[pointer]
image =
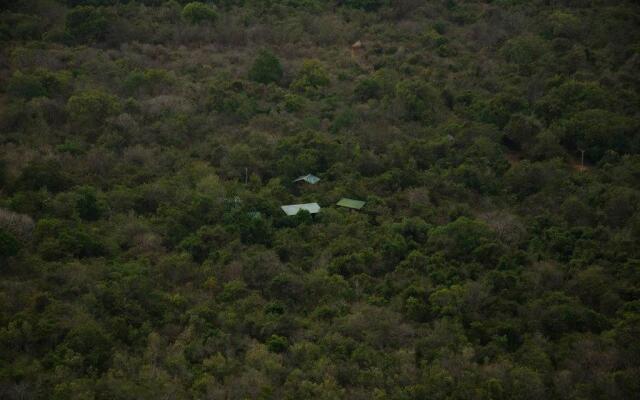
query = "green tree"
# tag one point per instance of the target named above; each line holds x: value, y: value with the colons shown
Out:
x: 277, y: 344
x: 524, y: 50
x: 563, y: 24
x: 521, y: 130
x: 367, y: 5
x: 266, y: 68
x: 9, y: 245
x: 312, y: 76
x: 199, y: 13
x: 460, y: 238
x: 89, y: 110
x: 418, y: 100
x: 26, y: 85
x: 43, y: 174
x: 597, y: 131
x: 87, y: 204
x: 87, y: 24
x: 367, y: 88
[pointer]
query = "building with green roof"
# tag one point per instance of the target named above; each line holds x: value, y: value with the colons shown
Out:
x: 351, y: 203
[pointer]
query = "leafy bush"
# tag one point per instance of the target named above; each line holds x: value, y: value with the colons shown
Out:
x: 43, y: 174
x: 199, y: 13
x: 293, y: 102
x: 367, y: 5
x: 277, y: 344
x: 266, y: 68
x: 26, y: 85
x: 87, y: 24
x: 59, y: 240
x: 524, y: 50
x: 500, y: 108
x: 38, y: 83
x: 87, y: 204
x: 20, y: 26
x: 9, y: 245
x: 90, y: 109
x: 418, y: 100
x: 148, y: 81
x: 598, y: 131
x: 367, y: 88
x: 563, y: 24
x: 312, y: 77
x: 459, y: 239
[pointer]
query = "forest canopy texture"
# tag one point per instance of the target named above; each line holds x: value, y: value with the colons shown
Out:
x: 146, y: 147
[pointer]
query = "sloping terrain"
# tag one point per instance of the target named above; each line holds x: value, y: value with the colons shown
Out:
x: 147, y: 146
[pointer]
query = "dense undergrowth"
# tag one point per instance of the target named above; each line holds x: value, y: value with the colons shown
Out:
x: 138, y: 139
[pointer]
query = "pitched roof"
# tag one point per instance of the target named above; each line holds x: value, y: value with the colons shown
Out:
x: 309, y: 178
x: 293, y: 209
x: 351, y: 203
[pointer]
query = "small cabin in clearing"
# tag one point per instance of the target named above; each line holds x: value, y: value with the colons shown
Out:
x: 293, y: 209
x: 351, y: 203
x: 309, y: 178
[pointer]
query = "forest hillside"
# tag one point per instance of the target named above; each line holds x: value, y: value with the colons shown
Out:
x: 147, y: 148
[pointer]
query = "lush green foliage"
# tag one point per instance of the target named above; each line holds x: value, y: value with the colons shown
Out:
x: 198, y: 13
x: 266, y: 68
x: 87, y: 24
x: 146, y: 147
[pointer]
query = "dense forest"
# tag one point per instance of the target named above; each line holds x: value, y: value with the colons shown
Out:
x: 147, y: 146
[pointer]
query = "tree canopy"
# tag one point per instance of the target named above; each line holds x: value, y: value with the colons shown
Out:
x: 147, y: 146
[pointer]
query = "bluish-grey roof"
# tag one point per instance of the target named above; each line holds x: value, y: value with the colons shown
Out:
x: 309, y: 178
x: 293, y: 209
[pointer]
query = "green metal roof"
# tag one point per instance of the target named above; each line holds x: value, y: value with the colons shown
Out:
x: 351, y: 203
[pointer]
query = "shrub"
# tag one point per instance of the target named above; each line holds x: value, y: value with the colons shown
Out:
x: 58, y: 239
x: 312, y: 76
x: 87, y: 204
x: 460, y: 238
x: 293, y: 102
x: 367, y: 88
x: 149, y: 81
x: 199, y: 13
x: 277, y: 344
x: 367, y: 5
x: 9, y: 245
x: 563, y: 24
x: 87, y: 24
x: 417, y: 99
x: 500, y: 108
x: 90, y: 109
x: 20, y: 26
x: 25, y: 85
x: 521, y: 130
x: 523, y: 50
x: 75, y: 3
x: 266, y: 68
x: 43, y: 174
x: 39, y: 83
x: 597, y: 131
